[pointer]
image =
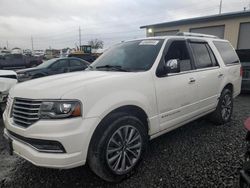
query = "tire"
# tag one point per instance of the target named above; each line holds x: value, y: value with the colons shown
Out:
x: 109, y: 157
x: 224, y: 109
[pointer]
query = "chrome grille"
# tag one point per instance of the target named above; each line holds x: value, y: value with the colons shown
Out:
x: 25, y: 112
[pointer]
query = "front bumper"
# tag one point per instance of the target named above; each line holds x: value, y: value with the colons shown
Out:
x: 74, y: 135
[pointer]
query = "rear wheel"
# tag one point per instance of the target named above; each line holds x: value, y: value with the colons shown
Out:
x: 117, y: 147
x: 224, y: 110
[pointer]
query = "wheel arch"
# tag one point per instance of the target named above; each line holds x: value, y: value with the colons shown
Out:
x: 93, y: 152
x: 130, y: 109
x: 229, y: 86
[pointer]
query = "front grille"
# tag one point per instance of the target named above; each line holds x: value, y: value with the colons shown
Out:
x: 25, y: 112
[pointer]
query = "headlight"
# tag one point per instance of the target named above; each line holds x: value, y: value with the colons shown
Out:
x: 60, y: 109
x: 22, y: 75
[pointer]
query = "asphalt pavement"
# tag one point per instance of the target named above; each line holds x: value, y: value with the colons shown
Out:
x: 198, y: 154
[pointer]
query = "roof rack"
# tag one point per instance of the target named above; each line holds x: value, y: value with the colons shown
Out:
x: 195, y: 35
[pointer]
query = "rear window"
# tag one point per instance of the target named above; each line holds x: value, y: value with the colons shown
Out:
x: 227, y: 52
x: 201, y: 54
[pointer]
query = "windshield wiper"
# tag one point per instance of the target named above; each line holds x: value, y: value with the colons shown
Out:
x: 115, y: 67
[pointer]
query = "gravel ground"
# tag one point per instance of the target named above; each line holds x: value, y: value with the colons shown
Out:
x: 198, y: 154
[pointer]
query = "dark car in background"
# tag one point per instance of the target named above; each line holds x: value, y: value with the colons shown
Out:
x: 51, y: 67
x: 13, y: 61
x: 244, y: 56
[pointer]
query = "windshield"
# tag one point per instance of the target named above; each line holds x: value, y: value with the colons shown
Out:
x: 136, y: 55
x: 46, y: 64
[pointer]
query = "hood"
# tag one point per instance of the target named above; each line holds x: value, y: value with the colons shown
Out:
x: 28, y: 70
x: 54, y: 87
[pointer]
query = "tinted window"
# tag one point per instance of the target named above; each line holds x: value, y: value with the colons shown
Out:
x: 201, y: 55
x: 226, y: 51
x: 178, y: 50
x: 136, y: 55
x: 60, y: 64
x: 76, y: 63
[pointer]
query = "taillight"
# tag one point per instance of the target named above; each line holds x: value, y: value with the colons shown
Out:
x: 241, y: 71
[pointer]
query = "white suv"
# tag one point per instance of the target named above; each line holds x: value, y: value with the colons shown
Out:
x: 136, y: 91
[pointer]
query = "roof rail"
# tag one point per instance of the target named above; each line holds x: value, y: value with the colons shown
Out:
x: 195, y: 35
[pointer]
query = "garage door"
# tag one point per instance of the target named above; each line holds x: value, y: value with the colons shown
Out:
x: 244, y: 36
x: 166, y: 33
x: 213, y: 30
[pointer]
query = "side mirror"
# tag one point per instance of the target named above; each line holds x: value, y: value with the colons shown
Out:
x: 172, y: 66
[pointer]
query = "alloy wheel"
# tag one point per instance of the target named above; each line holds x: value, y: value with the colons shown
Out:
x: 226, y: 107
x: 124, y: 149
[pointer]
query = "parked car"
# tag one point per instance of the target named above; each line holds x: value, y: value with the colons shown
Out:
x: 244, y: 56
x: 4, y: 52
x: 246, y: 76
x: 38, y: 53
x: 51, y: 67
x: 7, y: 80
x: 245, y: 172
x: 134, y: 92
x: 16, y: 60
x: 27, y: 52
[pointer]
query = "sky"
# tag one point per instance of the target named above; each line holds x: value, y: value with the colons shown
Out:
x: 56, y: 23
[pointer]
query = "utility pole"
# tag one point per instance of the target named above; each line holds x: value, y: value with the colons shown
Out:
x: 220, y: 6
x: 7, y: 44
x: 32, y: 45
x: 80, y: 37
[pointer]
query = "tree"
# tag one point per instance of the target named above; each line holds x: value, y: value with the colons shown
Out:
x: 96, y: 43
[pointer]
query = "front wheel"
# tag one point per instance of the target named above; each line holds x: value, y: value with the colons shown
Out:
x: 224, y: 110
x: 118, y: 147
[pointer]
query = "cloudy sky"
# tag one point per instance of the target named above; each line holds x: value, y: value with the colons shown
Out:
x: 56, y: 23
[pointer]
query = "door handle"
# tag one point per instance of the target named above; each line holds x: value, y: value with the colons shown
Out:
x: 191, y: 80
x: 220, y: 75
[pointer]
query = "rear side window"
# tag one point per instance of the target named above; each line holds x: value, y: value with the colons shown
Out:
x: 60, y: 64
x: 227, y: 52
x: 75, y: 63
x: 201, y: 55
